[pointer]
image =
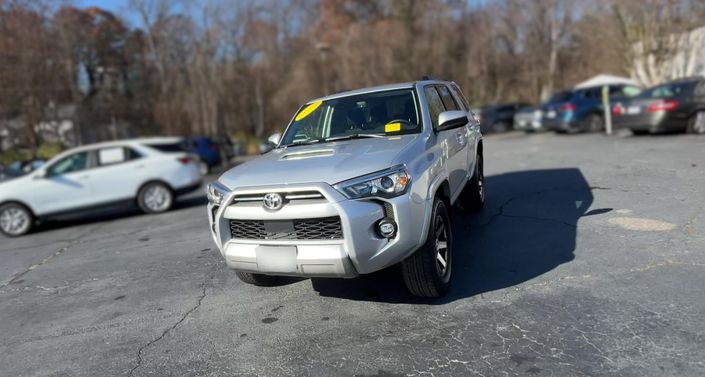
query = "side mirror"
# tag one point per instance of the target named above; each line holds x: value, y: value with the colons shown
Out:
x: 448, y: 120
x: 274, y: 139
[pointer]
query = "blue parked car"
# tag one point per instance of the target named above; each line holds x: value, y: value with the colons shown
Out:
x: 580, y: 110
x: 208, y: 151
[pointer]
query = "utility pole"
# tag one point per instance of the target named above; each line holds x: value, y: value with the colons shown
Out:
x: 323, y: 49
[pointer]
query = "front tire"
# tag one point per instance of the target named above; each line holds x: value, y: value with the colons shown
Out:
x: 696, y: 123
x: 155, y: 197
x: 256, y: 279
x: 427, y: 272
x: 15, y: 220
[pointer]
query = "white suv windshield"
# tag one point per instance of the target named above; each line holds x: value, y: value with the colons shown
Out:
x: 381, y: 113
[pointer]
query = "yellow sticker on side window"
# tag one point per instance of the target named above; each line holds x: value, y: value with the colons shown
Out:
x: 392, y: 127
x: 306, y: 111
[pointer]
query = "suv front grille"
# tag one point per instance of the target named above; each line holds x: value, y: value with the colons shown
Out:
x: 325, y: 228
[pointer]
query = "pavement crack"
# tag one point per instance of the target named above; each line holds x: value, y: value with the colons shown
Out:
x: 48, y: 259
x: 186, y: 314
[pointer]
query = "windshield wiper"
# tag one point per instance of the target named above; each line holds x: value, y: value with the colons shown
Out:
x: 307, y: 142
x: 334, y: 138
x: 353, y: 136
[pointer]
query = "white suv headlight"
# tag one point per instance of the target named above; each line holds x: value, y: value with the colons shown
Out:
x: 382, y: 184
x: 216, y: 193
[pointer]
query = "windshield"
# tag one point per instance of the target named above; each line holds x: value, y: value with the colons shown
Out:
x: 381, y: 113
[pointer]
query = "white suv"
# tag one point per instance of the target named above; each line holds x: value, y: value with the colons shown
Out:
x: 149, y: 172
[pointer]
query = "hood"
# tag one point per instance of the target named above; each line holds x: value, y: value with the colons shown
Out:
x: 9, y: 187
x: 326, y: 162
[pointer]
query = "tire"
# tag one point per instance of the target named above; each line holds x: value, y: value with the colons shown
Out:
x: 155, y: 197
x: 696, y: 123
x: 640, y: 132
x: 593, y: 123
x: 425, y: 275
x: 472, y: 198
x: 256, y: 279
x: 15, y: 220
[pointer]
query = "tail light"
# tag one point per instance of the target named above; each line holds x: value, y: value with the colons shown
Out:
x: 567, y: 107
x: 184, y: 160
x: 662, y: 105
x: 617, y: 110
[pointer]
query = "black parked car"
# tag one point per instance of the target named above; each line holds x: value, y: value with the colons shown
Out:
x: 498, y: 118
x: 676, y: 106
x: 581, y: 110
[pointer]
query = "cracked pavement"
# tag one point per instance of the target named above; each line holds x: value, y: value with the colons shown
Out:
x: 545, y: 284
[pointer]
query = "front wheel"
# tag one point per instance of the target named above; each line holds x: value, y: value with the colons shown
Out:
x: 15, y: 220
x: 427, y: 272
x: 256, y: 279
x: 155, y: 197
x: 696, y: 123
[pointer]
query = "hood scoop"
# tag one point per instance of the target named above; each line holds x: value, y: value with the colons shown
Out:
x: 308, y: 154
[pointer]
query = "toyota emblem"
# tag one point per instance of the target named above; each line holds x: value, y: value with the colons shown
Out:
x: 273, y: 201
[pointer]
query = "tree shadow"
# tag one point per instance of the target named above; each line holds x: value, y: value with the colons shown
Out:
x: 527, y: 228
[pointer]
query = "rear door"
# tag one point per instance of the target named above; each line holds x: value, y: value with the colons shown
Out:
x: 66, y: 185
x: 118, y: 173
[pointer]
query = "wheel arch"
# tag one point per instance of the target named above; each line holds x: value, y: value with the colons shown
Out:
x: 21, y: 203
x: 156, y: 180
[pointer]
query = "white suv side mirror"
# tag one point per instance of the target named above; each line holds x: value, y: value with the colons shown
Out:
x: 274, y: 139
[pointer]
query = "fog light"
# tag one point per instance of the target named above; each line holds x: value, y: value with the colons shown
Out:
x: 387, y: 228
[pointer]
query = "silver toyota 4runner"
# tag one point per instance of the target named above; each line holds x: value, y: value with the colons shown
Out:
x: 358, y: 182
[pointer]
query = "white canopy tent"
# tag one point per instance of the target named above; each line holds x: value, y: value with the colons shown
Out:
x: 602, y: 80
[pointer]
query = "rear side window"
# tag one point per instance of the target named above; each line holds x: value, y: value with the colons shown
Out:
x: 116, y: 155
x: 170, y: 147
x: 447, y: 99
x: 111, y: 156
x: 435, y: 104
x: 456, y: 89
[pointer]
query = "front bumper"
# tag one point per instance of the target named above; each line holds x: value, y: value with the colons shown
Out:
x: 360, y: 251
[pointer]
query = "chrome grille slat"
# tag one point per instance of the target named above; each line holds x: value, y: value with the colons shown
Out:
x: 289, y: 196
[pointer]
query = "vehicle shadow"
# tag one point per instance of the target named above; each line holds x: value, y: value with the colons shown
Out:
x: 527, y: 228
x: 113, y: 213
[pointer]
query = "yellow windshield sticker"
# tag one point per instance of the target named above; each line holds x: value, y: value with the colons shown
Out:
x: 308, y: 110
x: 392, y: 127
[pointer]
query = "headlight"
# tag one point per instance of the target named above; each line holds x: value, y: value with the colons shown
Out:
x: 383, y: 184
x: 216, y: 192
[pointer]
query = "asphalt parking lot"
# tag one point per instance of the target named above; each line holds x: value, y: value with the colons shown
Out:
x: 588, y: 260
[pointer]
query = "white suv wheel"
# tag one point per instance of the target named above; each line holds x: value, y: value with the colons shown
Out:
x: 155, y: 198
x: 15, y: 220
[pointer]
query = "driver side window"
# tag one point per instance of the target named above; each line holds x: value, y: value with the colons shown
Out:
x: 69, y: 164
x: 435, y: 105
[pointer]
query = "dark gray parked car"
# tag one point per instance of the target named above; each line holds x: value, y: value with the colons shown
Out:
x: 580, y: 110
x: 672, y: 107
